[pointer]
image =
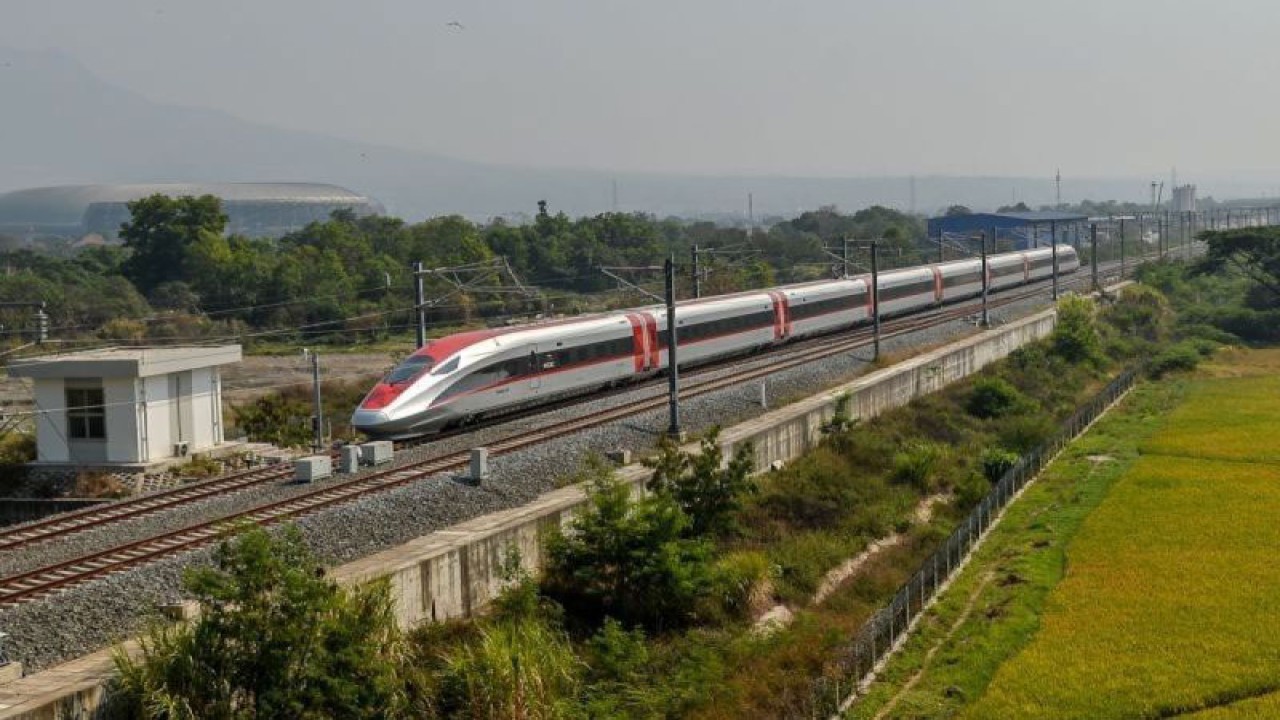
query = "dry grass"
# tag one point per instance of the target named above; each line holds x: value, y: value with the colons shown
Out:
x: 1170, y: 598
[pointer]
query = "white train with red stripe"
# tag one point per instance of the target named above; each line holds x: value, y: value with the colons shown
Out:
x: 481, y: 373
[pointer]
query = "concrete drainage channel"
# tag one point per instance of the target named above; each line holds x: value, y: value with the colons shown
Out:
x: 454, y: 572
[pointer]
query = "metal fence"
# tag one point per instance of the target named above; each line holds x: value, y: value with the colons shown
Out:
x: 882, y: 631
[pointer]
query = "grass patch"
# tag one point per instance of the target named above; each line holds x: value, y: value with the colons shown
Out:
x: 1123, y: 584
x: 1170, y: 602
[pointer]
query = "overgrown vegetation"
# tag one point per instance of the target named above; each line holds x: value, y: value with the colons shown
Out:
x: 275, y: 638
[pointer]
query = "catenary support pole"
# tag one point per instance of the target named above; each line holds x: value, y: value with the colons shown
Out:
x: 317, y: 421
x: 1121, y: 248
x: 419, y: 303
x: 1093, y: 252
x: 986, y: 279
x: 1054, y: 245
x: 673, y: 366
x: 875, y: 292
x: 697, y: 280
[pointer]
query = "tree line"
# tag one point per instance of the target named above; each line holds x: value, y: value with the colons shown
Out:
x: 180, y: 274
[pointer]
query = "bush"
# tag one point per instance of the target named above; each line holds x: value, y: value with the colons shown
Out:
x: 275, y: 638
x: 996, y: 462
x: 917, y: 465
x: 98, y: 485
x: 17, y: 448
x: 1181, y: 357
x: 970, y: 490
x: 993, y: 397
x: 628, y: 559
x: 1075, y: 337
x: 524, y: 670
x: 737, y: 580
x: 1023, y: 433
x: 708, y: 490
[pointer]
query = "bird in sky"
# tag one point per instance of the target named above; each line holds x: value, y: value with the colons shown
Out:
x: 455, y: 25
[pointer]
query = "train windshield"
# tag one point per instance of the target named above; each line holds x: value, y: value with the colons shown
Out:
x: 412, y: 366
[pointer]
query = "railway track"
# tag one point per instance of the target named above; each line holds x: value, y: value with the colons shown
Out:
x: 46, y: 580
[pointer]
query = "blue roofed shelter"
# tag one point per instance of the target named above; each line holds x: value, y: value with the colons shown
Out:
x: 1023, y: 229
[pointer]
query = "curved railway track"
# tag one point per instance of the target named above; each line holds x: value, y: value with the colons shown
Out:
x: 46, y: 580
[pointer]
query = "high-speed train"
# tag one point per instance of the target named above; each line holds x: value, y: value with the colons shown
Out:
x: 472, y: 375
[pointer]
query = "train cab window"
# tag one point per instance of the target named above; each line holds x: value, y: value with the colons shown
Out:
x: 410, y: 368
x: 447, y: 368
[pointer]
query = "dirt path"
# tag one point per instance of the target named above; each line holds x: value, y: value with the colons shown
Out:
x: 928, y: 656
x: 780, y: 616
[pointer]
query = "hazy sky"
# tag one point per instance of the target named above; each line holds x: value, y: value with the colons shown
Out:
x: 810, y: 87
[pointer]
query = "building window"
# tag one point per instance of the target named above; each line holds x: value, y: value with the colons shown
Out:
x: 86, y: 414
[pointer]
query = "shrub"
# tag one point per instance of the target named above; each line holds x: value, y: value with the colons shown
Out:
x: 996, y: 462
x: 515, y: 669
x: 1023, y: 433
x: 1075, y: 336
x: 1180, y: 357
x: 917, y: 465
x: 992, y: 397
x: 737, y: 579
x: 98, y: 485
x: 804, y: 559
x: 629, y: 559
x: 970, y: 490
x: 275, y: 638
x: 709, y: 491
x: 17, y: 448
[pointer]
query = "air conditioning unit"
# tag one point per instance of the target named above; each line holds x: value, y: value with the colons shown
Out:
x: 180, y: 449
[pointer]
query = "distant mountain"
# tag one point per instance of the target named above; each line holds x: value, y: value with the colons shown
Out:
x: 61, y: 124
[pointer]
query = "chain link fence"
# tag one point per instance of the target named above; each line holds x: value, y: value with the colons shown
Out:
x: 888, y: 626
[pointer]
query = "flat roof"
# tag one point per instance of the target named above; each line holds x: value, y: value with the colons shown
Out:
x: 125, y: 362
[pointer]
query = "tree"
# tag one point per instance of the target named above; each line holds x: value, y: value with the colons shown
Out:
x: 159, y: 231
x: 274, y: 639
x: 707, y: 489
x: 1253, y: 252
x: 627, y: 559
x: 1020, y: 207
x: 1075, y: 336
x: 955, y: 210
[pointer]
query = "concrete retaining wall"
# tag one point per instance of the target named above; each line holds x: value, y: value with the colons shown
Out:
x: 456, y: 572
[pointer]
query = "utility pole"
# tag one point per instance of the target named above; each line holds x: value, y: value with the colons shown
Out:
x: 673, y: 367
x: 844, y: 255
x: 986, y: 279
x: 697, y: 278
x: 317, y: 420
x: 420, y: 303
x: 1093, y: 252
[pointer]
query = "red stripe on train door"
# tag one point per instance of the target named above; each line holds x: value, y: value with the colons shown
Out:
x: 937, y: 284
x: 637, y: 341
x: 779, y: 315
x: 651, y: 328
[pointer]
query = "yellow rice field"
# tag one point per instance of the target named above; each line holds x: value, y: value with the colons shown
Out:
x: 1171, y: 600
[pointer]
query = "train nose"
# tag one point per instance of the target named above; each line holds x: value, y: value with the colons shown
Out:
x: 369, y: 419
